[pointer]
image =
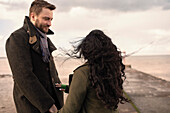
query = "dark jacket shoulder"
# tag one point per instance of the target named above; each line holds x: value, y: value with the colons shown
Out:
x: 19, y: 33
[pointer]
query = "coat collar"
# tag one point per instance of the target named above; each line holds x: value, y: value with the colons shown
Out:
x: 31, y: 28
x: 85, y: 64
x: 34, y: 39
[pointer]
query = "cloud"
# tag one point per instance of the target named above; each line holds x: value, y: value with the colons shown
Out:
x: 10, y: 6
x: 130, y: 24
x: 5, y: 25
x: 120, y: 5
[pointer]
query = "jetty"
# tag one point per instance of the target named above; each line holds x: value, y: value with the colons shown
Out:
x: 147, y: 93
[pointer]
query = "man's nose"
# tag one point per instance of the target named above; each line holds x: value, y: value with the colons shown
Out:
x: 49, y: 23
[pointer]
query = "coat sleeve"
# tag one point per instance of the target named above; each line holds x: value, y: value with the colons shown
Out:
x: 18, y: 53
x: 77, y: 93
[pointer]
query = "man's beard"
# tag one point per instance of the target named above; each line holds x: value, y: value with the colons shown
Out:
x: 40, y: 26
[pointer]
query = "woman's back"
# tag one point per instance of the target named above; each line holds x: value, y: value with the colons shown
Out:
x: 82, y: 97
x: 97, y: 86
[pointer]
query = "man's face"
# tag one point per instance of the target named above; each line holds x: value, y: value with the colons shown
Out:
x: 43, y: 20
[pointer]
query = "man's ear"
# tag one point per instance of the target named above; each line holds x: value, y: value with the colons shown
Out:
x: 32, y: 16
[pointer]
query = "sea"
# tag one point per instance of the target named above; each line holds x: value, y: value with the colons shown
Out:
x: 155, y: 65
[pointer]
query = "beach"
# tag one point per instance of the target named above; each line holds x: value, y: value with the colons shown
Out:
x: 6, y: 98
x: 149, y: 94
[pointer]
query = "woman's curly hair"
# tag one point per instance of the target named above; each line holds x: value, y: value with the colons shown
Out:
x: 106, y: 67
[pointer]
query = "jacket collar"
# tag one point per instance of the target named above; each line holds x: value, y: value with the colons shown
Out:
x: 85, y: 64
x: 31, y: 28
x: 34, y: 39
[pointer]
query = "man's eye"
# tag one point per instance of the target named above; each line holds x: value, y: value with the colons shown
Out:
x: 46, y: 18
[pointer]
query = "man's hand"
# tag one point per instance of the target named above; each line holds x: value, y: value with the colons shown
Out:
x: 53, y: 109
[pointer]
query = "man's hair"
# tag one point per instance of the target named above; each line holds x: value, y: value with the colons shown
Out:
x: 37, y: 6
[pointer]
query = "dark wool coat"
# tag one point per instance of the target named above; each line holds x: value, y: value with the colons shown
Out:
x: 34, y: 80
x: 82, y: 97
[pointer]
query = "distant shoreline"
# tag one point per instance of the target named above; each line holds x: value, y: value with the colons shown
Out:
x: 3, y: 57
x: 147, y: 74
x: 55, y: 56
x: 9, y: 75
x: 4, y: 75
x: 155, y: 65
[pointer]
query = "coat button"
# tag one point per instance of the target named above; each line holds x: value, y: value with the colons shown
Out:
x: 52, y: 79
x: 47, y: 69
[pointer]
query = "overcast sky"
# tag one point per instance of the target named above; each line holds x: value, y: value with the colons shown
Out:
x: 132, y: 24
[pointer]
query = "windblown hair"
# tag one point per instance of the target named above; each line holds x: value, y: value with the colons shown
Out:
x: 106, y: 67
x: 37, y: 6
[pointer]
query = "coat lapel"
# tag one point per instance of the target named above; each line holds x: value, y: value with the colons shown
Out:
x: 51, y: 45
x: 36, y: 46
x: 34, y: 39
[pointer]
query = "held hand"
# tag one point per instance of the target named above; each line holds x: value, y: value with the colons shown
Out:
x: 59, y: 86
x: 53, y: 109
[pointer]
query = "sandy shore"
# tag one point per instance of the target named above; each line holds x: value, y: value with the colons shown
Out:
x: 6, y: 82
x: 137, y: 85
x: 6, y: 99
x: 7, y: 103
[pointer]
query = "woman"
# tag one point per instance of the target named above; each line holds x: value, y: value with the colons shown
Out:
x: 96, y: 86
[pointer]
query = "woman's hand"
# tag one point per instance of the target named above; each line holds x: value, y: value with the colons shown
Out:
x: 60, y: 86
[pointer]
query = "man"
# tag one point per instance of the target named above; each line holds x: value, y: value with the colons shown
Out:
x: 29, y: 53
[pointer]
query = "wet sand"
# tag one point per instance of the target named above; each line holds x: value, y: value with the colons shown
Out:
x: 6, y: 99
